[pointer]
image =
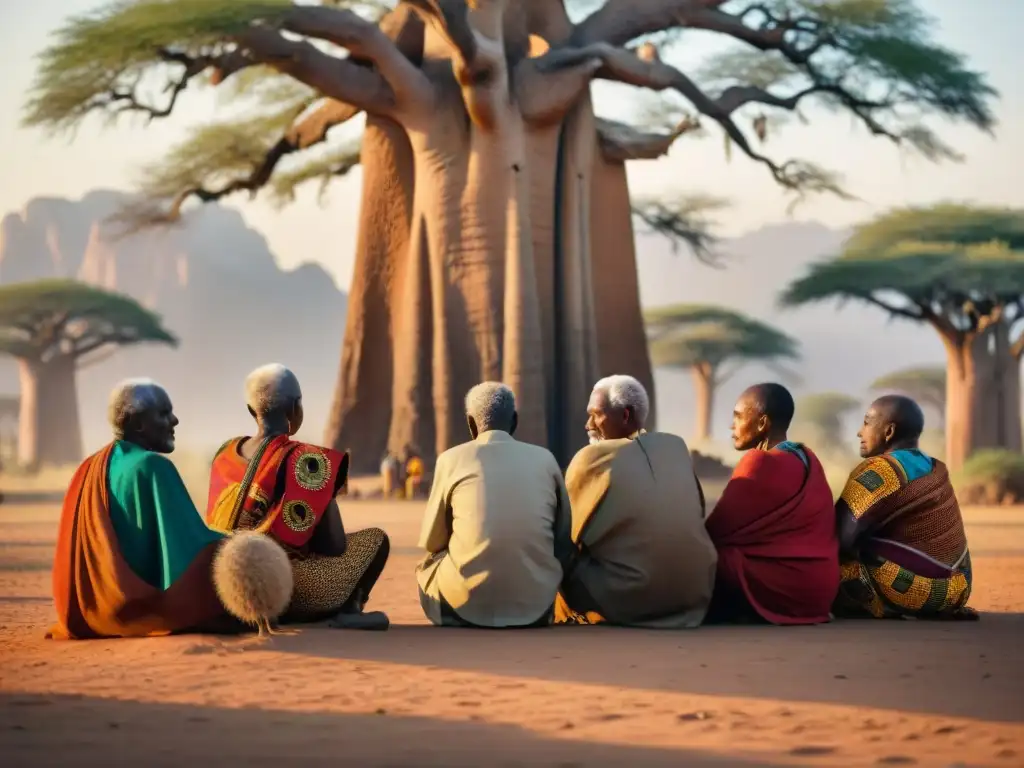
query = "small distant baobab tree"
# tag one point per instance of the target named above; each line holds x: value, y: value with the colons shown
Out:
x: 712, y: 343
x: 52, y: 328
x: 822, y: 414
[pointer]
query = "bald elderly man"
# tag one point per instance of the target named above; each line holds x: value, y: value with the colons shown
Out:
x: 643, y: 557
x: 133, y: 555
x: 902, y: 542
x: 285, y: 488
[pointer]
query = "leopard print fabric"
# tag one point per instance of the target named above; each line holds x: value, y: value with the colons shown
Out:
x: 323, y: 584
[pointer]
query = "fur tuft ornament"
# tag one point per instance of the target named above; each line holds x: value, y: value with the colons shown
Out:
x: 253, y: 578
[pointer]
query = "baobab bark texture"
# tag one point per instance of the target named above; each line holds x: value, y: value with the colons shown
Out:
x: 983, y: 393
x: 50, y: 432
x: 704, y: 400
x: 499, y: 183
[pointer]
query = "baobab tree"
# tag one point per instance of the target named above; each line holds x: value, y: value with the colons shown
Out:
x: 52, y: 328
x: 926, y: 384
x: 960, y: 269
x: 496, y: 236
x: 712, y: 343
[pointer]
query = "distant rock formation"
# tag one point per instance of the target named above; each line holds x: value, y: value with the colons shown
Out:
x: 218, y: 287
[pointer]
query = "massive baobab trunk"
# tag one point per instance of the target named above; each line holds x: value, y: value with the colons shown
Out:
x: 477, y: 256
x: 983, y: 393
x: 50, y: 433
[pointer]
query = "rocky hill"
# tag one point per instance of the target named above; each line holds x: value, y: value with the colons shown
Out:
x: 219, y: 289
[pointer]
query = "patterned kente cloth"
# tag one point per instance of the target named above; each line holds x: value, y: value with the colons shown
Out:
x: 904, y: 524
x: 283, y: 491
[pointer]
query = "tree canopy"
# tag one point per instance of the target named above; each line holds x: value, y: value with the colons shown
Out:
x: 957, y: 267
x: 926, y: 384
x: 290, y: 86
x: 690, y: 335
x: 48, y: 318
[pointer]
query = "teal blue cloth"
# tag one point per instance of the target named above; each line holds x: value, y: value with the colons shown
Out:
x: 158, y: 528
x: 795, y: 448
x: 915, y: 463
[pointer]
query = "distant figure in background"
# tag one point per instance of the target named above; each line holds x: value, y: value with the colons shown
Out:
x: 496, y: 527
x: 286, y: 489
x: 901, y: 536
x: 414, y: 471
x: 774, y: 525
x: 643, y: 557
x: 133, y: 555
x: 389, y: 474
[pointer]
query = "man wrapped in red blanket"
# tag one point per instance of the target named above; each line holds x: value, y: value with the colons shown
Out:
x: 774, y: 526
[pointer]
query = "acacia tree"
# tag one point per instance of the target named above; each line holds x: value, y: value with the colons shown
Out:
x: 926, y: 384
x: 713, y: 343
x: 495, y: 211
x: 823, y: 413
x: 52, y: 328
x: 959, y: 269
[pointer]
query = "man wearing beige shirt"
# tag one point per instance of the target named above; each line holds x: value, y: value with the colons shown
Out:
x: 645, y: 558
x: 496, y: 529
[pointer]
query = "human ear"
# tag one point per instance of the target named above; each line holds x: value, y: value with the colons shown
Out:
x: 515, y: 423
x: 473, y: 431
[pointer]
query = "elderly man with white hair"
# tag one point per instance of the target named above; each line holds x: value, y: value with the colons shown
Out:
x: 285, y: 488
x: 496, y: 529
x: 133, y: 556
x: 643, y: 555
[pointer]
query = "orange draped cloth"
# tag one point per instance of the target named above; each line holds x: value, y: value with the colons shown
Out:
x: 774, y: 528
x: 97, y: 594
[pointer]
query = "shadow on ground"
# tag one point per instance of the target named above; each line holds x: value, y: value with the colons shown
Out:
x: 872, y: 664
x: 88, y: 731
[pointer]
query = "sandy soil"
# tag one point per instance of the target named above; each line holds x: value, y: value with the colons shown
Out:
x: 893, y: 693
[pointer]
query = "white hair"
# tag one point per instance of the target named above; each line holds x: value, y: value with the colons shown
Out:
x: 271, y: 388
x: 130, y: 398
x: 623, y: 391
x: 491, y: 405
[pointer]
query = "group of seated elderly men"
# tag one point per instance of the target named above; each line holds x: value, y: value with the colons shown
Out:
x: 624, y: 538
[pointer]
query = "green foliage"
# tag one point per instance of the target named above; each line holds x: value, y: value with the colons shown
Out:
x: 992, y: 476
x: 954, y: 262
x: 51, y: 317
x: 685, y: 336
x: 926, y: 384
x: 322, y: 168
x: 110, y: 50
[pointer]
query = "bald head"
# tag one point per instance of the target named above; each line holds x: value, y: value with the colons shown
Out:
x: 274, y: 398
x: 893, y: 422
x: 763, y: 412
x: 140, y: 412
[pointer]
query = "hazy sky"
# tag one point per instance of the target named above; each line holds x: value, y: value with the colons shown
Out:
x: 987, y: 30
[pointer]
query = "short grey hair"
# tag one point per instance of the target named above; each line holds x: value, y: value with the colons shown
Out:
x: 491, y: 405
x: 271, y: 388
x: 623, y: 391
x: 130, y: 398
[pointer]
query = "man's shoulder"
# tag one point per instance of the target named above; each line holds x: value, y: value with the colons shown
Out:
x: 138, y: 461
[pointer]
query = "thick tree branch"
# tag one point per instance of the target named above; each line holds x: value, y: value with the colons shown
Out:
x: 625, y: 66
x: 620, y: 142
x: 548, y: 86
x: 892, y: 309
x: 365, y: 40
x: 334, y: 77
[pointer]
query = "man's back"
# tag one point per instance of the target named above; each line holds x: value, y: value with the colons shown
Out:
x: 503, y: 501
x: 637, y: 512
